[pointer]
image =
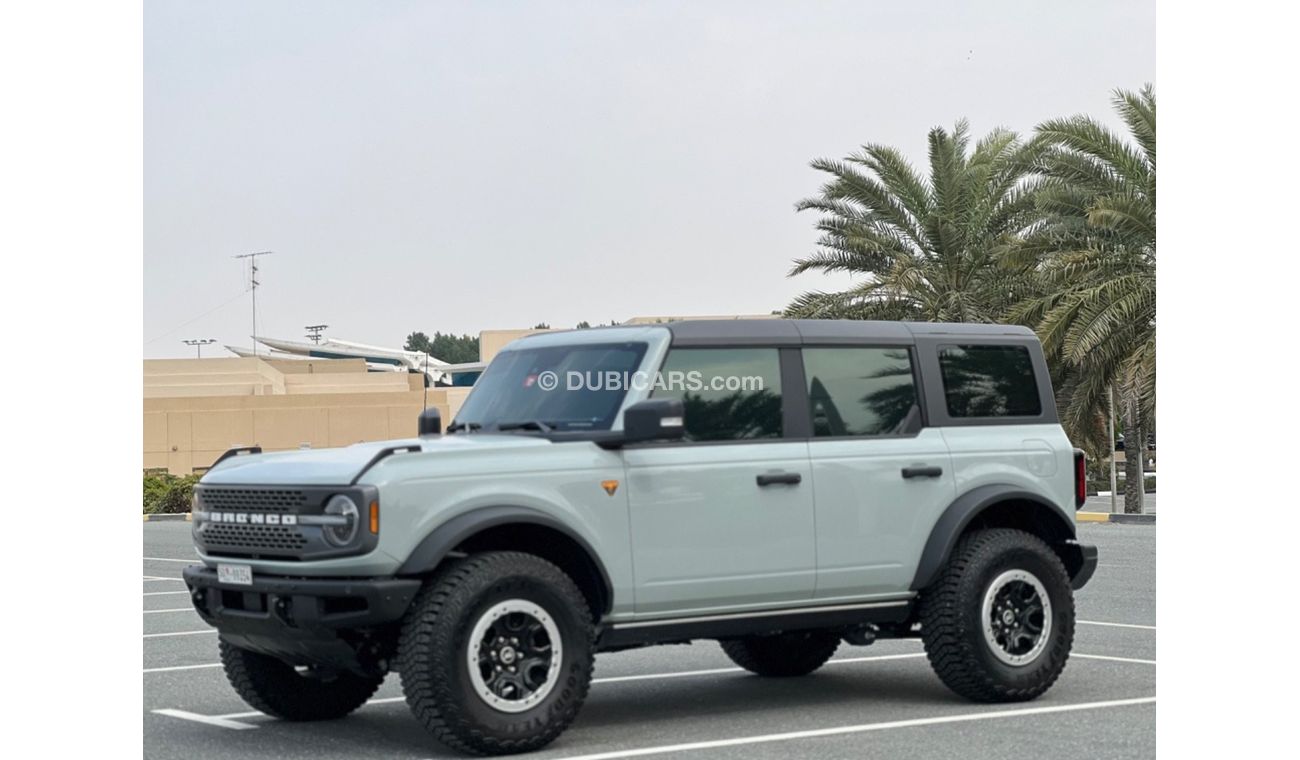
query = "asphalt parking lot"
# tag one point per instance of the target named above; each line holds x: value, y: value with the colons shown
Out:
x: 880, y: 701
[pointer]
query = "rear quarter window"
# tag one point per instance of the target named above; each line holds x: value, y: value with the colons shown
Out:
x: 989, y: 381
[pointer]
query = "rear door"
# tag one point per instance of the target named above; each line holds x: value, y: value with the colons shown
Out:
x: 724, y: 519
x: 992, y: 397
x: 881, y: 478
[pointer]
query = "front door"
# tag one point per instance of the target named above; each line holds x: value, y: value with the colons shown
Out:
x: 722, y: 521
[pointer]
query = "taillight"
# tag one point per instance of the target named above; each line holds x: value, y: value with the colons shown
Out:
x: 1080, y: 478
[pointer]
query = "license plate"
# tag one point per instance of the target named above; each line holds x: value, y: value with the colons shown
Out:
x: 236, y: 575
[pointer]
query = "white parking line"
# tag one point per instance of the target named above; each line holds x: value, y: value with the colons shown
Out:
x: 256, y: 714
x: 155, y: 580
x: 184, y: 667
x: 231, y: 720
x: 178, y: 609
x: 1117, y: 625
x: 862, y: 728
x: 208, y: 719
x: 1113, y: 659
x: 718, y: 671
x: 611, y: 679
x: 179, y: 633
x: 164, y: 593
x: 190, y: 561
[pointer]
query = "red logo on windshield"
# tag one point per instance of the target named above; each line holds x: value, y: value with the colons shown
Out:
x: 528, y: 381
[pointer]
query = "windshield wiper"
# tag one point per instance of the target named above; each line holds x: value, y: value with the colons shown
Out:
x: 470, y: 426
x: 537, y: 425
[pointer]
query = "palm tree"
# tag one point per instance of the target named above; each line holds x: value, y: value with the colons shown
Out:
x: 927, y: 247
x: 1096, y: 248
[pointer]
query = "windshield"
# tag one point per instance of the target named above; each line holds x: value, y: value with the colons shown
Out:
x: 559, y: 388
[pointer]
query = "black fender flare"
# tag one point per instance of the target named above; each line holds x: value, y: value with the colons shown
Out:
x: 435, y: 547
x: 954, y: 520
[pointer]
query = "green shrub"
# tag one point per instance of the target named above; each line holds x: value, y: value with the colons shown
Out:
x: 168, y: 494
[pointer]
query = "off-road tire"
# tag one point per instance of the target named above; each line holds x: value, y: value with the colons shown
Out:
x: 277, y: 689
x: 950, y: 612
x: 433, y: 648
x: 795, y: 653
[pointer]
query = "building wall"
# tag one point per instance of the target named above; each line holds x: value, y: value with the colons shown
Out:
x: 694, y: 317
x: 196, y: 409
x: 490, y: 342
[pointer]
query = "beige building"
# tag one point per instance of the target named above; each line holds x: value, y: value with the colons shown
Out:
x: 196, y: 409
x: 694, y: 318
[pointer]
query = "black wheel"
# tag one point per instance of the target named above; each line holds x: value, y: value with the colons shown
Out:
x: 998, y: 623
x: 496, y: 653
x: 796, y: 653
x: 279, y: 689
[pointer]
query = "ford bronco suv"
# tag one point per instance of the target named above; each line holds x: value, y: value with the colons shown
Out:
x: 781, y: 486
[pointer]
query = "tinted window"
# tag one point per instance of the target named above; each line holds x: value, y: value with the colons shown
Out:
x: 514, y: 387
x: 859, y: 391
x: 729, y: 393
x: 989, y: 381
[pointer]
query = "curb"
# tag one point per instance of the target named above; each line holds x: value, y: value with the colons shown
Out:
x: 186, y: 516
x: 1101, y: 517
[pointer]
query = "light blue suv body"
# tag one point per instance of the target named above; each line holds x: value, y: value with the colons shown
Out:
x: 828, y: 492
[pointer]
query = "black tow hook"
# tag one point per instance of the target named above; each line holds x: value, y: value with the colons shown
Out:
x: 281, y: 609
x: 199, y: 598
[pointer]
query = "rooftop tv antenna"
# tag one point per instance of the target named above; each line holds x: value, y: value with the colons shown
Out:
x: 253, y: 283
x: 314, y: 331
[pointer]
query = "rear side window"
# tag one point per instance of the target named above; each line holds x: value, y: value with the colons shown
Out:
x: 859, y: 391
x: 730, y: 394
x: 989, y: 381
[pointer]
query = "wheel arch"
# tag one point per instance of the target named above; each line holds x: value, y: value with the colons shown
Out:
x: 995, y: 506
x: 515, y: 528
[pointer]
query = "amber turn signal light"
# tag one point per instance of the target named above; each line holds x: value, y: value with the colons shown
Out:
x: 374, y: 517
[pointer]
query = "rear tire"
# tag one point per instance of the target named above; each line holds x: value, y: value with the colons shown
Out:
x: 496, y: 653
x: 276, y: 688
x: 998, y: 623
x: 795, y: 653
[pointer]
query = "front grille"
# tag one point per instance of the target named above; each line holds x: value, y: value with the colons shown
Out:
x: 253, y: 500
x: 232, y: 538
x: 248, y: 539
x: 253, y: 522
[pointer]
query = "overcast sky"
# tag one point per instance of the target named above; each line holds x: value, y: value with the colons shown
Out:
x: 466, y: 166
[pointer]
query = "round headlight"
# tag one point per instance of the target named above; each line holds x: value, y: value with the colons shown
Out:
x: 342, y: 506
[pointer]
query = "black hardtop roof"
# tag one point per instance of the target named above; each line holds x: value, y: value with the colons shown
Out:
x: 795, y: 332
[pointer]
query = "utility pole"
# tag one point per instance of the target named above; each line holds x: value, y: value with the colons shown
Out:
x: 426, y: 380
x: 198, y: 344
x: 1110, y: 435
x: 314, y: 331
x: 252, y: 278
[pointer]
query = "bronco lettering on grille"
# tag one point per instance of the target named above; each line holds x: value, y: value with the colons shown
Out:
x: 256, y: 518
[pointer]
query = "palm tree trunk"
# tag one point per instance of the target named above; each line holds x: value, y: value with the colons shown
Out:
x: 1134, y: 453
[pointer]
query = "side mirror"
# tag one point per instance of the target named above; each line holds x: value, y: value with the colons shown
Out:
x: 654, y: 420
x: 430, y: 422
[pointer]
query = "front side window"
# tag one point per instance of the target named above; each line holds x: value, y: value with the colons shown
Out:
x: 859, y: 391
x: 561, y: 387
x: 729, y: 393
x: 989, y: 381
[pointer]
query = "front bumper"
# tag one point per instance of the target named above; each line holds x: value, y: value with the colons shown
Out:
x: 324, y: 621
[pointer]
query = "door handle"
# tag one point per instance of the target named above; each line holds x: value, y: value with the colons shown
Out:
x: 787, y: 478
x: 922, y: 472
